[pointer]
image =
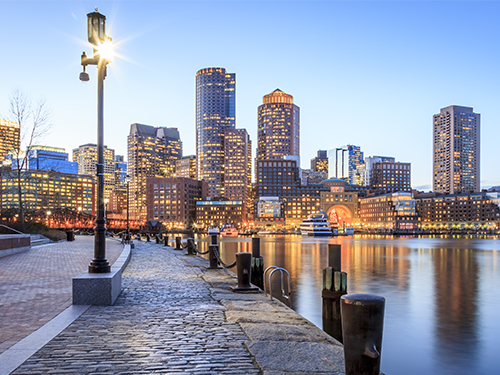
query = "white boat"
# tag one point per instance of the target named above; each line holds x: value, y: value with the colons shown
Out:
x: 229, y: 230
x: 213, y: 231
x: 316, y: 225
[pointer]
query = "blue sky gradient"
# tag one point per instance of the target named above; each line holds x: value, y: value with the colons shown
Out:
x: 365, y: 73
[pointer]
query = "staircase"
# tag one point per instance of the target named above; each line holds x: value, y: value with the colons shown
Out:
x: 38, y: 239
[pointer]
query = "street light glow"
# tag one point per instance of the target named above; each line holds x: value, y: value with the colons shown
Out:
x: 105, y: 50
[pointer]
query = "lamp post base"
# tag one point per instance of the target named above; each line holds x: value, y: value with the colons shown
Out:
x: 99, y: 266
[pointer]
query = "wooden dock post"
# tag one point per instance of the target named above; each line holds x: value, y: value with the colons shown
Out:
x: 334, y: 287
x: 257, y: 264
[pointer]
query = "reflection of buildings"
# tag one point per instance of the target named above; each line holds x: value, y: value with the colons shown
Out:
x: 172, y: 200
x: 456, y: 150
x: 459, y: 211
x: 10, y: 133
x: 48, y: 190
x: 86, y: 157
x: 455, y: 299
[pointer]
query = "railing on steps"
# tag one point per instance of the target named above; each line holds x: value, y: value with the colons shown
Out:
x: 285, y: 294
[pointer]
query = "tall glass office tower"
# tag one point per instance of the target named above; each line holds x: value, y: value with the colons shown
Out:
x: 215, y: 112
x: 278, y: 127
x: 456, y: 146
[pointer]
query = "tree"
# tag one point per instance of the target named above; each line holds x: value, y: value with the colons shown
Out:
x: 34, y: 123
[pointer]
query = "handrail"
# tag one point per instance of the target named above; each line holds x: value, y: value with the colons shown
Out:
x: 285, y: 296
x: 5, y: 226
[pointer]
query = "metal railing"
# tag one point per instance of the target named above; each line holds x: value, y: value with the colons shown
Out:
x: 9, y: 228
x: 284, y: 294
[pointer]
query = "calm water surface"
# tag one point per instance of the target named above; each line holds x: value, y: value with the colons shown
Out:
x: 442, y: 313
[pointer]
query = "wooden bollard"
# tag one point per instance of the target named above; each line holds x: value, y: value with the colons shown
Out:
x: 257, y: 264
x: 334, y: 287
x: 190, y: 246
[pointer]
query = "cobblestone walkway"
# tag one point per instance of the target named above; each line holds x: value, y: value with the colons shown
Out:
x: 36, y: 285
x: 163, y: 322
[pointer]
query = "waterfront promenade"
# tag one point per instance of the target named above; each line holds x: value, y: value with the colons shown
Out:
x: 176, y: 316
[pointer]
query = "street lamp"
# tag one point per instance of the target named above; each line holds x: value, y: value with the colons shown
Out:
x: 96, y: 28
x: 127, y: 238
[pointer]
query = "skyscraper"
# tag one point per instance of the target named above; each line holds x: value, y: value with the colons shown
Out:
x: 215, y: 112
x: 320, y: 162
x: 237, y: 166
x: 456, y: 147
x: 152, y: 152
x: 278, y: 127
x: 86, y: 157
x: 44, y: 158
x: 9, y: 137
x: 345, y: 166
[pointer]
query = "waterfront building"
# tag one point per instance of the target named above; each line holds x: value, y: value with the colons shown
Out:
x: 186, y: 167
x: 391, y: 212
x: 456, y: 150
x: 44, y: 158
x: 369, y: 161
x: 389, y: 177
x: 340, y: 201
x: 278, y: 127
x: 215, y: 112
x: 269, y: 211
x: 459, y: 211
x: 152, y: 152
x: 172, y: 200
x: 215, y: 213
x: 237, y: 166
x: 320, y: 162
x: 86, y: 157
x: 10, y: 137
x: 48, y: 191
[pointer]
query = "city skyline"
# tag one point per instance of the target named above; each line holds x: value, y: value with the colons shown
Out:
x: 371, y: 74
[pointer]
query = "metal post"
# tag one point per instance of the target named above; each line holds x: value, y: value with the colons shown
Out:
x: 100, y: 264
x: 214, y: 262
x: 362, y: 326
x: 334, y: 260
x: 190, y: 246
x: 214, y: 239
x: 165, y: 243
x: 178, y: 243
x: 244, y: 271
x: 128, y: 227
x: 257, y: 264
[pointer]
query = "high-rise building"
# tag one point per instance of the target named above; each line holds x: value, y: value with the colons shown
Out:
x: 278, y: 127
x: 55, y: 159
x: 345, y: 166
x: 237, y: 166
x: 10, y: 137
x: 367, y: 170
x: 456, y: 148
x: 320, y: 162
x: 186, y: 167
x: 215, y: 112
x: 86, y: 157
x: 152, y: 152
x: 390, y: 177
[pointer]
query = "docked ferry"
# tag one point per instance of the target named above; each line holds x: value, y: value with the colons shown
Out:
x: 229, y: 230
x: 316, y: 225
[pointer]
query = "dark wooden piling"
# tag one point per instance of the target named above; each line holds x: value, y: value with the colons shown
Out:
x: 257, y: 264
x: 334, y: 287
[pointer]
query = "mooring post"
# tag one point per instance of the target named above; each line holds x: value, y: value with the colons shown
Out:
x: 178, y: 243
x: 362, y: 325
x: 244, y: 272
x: 214, y: 239
x: 165, y: 240
x: 257, y: 264
x: 334, y: 287
x: 190, y: 246
x: 214, y: 262
x: 157, y: 238
x: 148, y: 239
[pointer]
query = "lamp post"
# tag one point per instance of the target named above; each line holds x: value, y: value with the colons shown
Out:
x: 127, y: 238
x: 102, y: 49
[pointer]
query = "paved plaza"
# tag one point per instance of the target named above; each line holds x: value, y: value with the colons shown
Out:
x: 36, y: 285
x: 176, y: 316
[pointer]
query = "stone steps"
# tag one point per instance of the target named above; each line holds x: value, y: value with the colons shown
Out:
x: 38, y: 239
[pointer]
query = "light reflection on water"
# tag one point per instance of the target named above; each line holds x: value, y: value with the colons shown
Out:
x: 442, y: 294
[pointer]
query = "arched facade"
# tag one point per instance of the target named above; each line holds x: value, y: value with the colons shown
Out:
x: 341, y: 206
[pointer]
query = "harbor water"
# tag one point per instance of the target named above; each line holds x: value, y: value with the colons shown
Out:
x: 442, y: 293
